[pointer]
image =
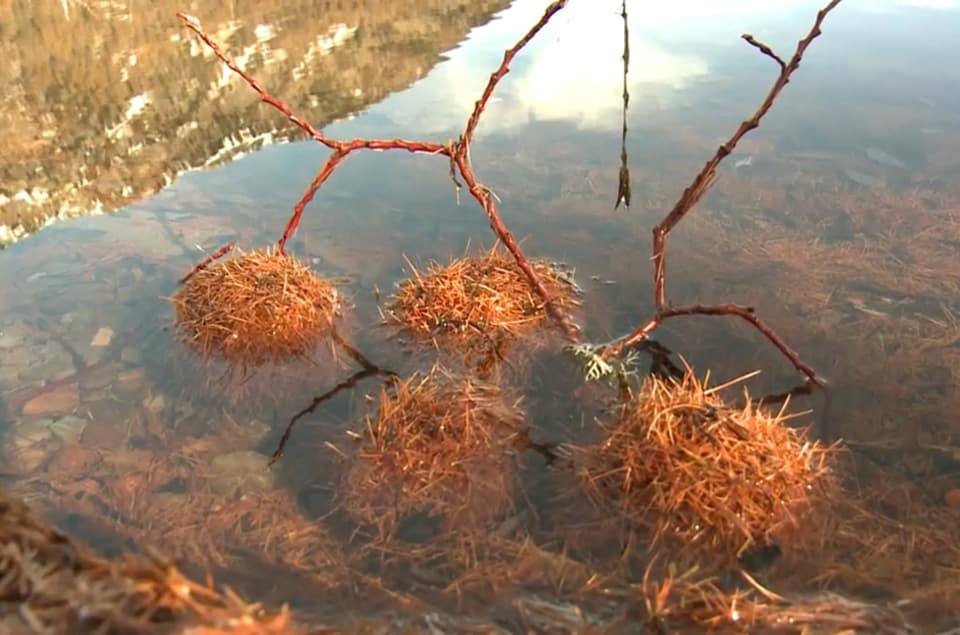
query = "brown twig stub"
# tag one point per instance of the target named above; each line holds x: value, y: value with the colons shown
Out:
x: 699, y: 186
x: 206, y: 262
x: 766, y: 50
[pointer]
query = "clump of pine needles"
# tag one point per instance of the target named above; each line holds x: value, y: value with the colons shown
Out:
x: 477, y: 305
x: 676, y: 600
x: 697, y: 470
x: 50, y: 584
x: 254, y: 308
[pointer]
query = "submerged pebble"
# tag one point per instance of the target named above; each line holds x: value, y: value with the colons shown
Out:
x: 29, y: 444
x: 131, y: 380
x: 952, y: 498
x: 102, y: 434
x: 102, y: 337
x: 239, y: 473
x: 155, y: 403
x: 45, y: 362
x: 69, y: 428
x: 31, y: 432
x: 98, y: 377
x: 72, y: 459
x: 59, y: 400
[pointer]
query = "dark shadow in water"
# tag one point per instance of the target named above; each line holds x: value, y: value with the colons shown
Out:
x: 368, y: 369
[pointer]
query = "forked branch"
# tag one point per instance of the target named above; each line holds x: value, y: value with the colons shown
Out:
x: 458, y: 154
x: 695, y: 191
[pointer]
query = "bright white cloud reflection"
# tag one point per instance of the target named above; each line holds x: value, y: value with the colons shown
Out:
x: 572, y: 70
x: 932, y: 4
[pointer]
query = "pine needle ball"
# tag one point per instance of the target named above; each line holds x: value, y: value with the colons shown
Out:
x: 438, y: 444
x: 480, y: 298
x: 720, y: 478
x: 256, y: 307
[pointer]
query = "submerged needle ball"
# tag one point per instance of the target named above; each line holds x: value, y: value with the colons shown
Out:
x: 255, y: 307
x: 695, y: 468
x: 438, y: 444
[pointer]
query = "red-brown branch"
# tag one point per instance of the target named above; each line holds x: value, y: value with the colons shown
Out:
x: 504, y: 68
x: 695, y: 191
x: 708, y: 174
x: 461, y: 158
x: 742, y: 312
x: 459, y: 153
x: 485, y: 198
x: 342, y: 149
x: 194, y: 25
x: 206, y: 262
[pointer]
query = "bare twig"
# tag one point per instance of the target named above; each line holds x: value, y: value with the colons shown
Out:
x: 623, y: 184
x: 206, y: 262
x: 461, y: 158
x: 695, y: 191
x: 458, y: 154
x: 745, y: 313
x: 503, y: 69
x: 766, y: 50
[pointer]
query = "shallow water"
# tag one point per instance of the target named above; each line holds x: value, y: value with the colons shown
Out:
x: 838, y: 220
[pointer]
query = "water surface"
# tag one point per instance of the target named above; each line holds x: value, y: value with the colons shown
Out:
x: 837, y: 220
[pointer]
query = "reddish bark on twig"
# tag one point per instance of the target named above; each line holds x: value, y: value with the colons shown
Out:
x: 742, y: 312
x: 695, y: 191
x: 458, y: 153
x: 461, y: 158
x: 340, y: 152
x: 206, y: 262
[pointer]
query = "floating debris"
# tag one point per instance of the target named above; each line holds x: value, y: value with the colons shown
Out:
x: 478, y: 305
